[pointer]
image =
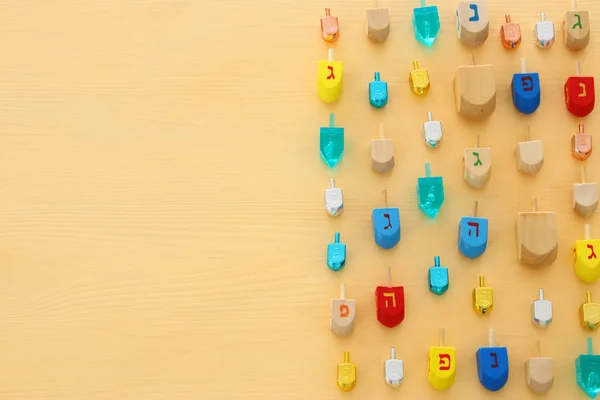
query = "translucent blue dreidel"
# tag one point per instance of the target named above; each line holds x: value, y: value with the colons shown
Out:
x: 473, y: 235
x: 526, y: 92
x: 430, y: 193
x: 438, y: 278
x: 587, y: 370
x: 386, y: 225
x: 336, y: 254
x: 426, y: 23
x: 378, y: 92
x: 492, y: 365
x: 331, y: 143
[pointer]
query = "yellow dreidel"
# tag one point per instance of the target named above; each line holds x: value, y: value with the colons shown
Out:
x: 330, y: 79
x: 419, y: 81
x: 442, y: 365
x: 587, y: 264
x: 346, y: 374
x: 589, y: 313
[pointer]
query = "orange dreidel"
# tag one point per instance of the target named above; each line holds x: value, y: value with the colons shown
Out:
x: 581, y: 145
x: 330, y: 28
x: 580, y: 96
x: 510, y: 34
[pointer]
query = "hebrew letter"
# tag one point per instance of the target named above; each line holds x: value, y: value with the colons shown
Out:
x: 476, y: 226
x: 445, y: 361
x: 475, y: 16
x: 389, y: 225
x: 331, y: 75
x: 578, y: 23
x: 583, y: 92
x: 495, y: 364
x: 592, y: 255
x: 393, y: 296
x: 527, y: 83
x: 478, y: 162
x: 344, y: 310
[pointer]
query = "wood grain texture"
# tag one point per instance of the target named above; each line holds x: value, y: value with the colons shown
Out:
x: 162, y: 226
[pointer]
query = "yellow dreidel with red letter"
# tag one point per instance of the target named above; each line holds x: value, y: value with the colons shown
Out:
x: 330, y: 74
x: 587, y: 263
x: 442, y: 365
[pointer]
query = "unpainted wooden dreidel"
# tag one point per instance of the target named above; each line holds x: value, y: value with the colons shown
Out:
x: 334, y: 199
x: 585, y: 196
x: 472, y: 22
x: 386, y: 225
x: 537, y: 237
x: 331, y: 143
x: 330, y: 28
x: 336, y: 254
x: 539, y: 372
x: 492, y: 365
x: 587, y: 264
x: 330, y: 78
x: 589, y: 313
x: 581, y: 145
x: 576, y: 28
x: 580, y: 96
x: 382, y: 152
x: 343, y: 312
x: 390, y: 303
x: 426, y: 23
x: 475, y: 91
x: 526, y: 90
x: 378, y: 92
x: 473, y: 235
x: 477, y: 165
x: 430, y: 193
x: 541, y: 311
x: 419, y: 81
x: 544, y: 32
x: 483, y: 298
x: 432, y: 132
x: 510, y: 34
x: 378, y: 23
x: 529, y: 155
x: 346, y: 374
x: 442, y: 364
x: 393, y: 370
x: 587, y: 371
x: 438, y: 278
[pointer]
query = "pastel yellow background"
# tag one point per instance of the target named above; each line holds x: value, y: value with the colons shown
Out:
x: 162, y: 225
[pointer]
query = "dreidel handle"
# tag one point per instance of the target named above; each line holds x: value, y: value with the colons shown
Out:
x: 588, y: 231
x: 541, y: 294
x: 427, y: 170
x: 492, y: 338
x: 346, y: 357
x: 523, y: 65
x: 436, y: 261
x: 337, y: 237
x: 590, y: 348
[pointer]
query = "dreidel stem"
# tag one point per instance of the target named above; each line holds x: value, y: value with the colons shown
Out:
x: 589, y: 346
x: 583, y: 174
x: 588, y: 295
x: 330, y: 55
x: 528, y: 134
x: 385, y: 197
x: 393, y: 353
x: 422, y: 3
x: 543, y: 17
x: 523, y: 64
x: 492, y: 337
x: 346, y: 357
x: 541, y: 294
x: 337, y: 237
x: 581, y: 127
x: 416, y: 63
x: 427, y: 170
x: 381, y: 131
x: 436, y: 261
x: 389, y: 276
x: 507, y: 18
x: 377, y: 76
x: 343, y: 291
x: 332, y: 183
x: 534, y: 204
x: 429, y: 116
x: 539, y: 348
x: 327, y: 12
x: 331, y: 120
x: 574, y: 4
x: 577, y: 68
x: 475, y: 208
x: 442, y: 336
x: 375, y: 4
x: 473, y: 58
x: 481, y: 281
x: 588, y: 229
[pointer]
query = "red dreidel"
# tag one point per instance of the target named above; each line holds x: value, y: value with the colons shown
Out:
x: 579, y: 93
x: 390, y: 303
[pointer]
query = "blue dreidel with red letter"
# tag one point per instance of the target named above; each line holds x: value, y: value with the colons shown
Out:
x: 386, y: 225
x: 430, y: 193
x: 492, y: 365
x: 378, y: 92
x: 587, y: 370
x: 526, y: 90
x: 438, y: 278
x: 473, y: 235
x: 336, y: 254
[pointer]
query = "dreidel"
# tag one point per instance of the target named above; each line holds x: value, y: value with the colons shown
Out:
x: 343, y: 312
x: 510, y: 34
x: 346, y: 374
x: 426, y: 24
x: 472, y: 22
x: 526, y: 90
x: 492, y: 365
x: 378, y: 23
x: 442, y: 364
x: 585, y: 196
x: 432, y: 132
x: 473, y: 235
x: 581, y: 144
x: 580, y: 96
x: 331, y: 143
x: 587, y: 263
x: 475, y: 90
x: 539, y: 372
x: 382, y: 152
x: 336, y: 254
x: 438, y: 278
x: 334, y: 199
x: 386, y: 225
x: 330, y: 77
x: 477, y: 165
x: 430, y: 193
x: 418, y: 79
x: 576, y: 27
x: 541, y: 311
x: 544, y: 32
x: 537, y: 237
x: 587, y: 371
x: 393, y: 370
x: 378, y: 92
x: 589, y: 313
x: 390, y: 303
x: 330, y: 28
x: 483, y: 298
x: 529, y: 155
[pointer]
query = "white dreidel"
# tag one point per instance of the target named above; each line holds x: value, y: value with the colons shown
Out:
x: 432, y: 132
x: 544, y: 32
x: 334, y: 200
x: 394, y: 370
x: 541, y: 311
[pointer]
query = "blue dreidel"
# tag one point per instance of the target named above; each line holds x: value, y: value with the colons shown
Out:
x: 526, y: 92
x: 331, y: 143
x: 587, y: 370
x: 438, y: 278
x: 430, y: 193
x: 492, y: 365
x: 386, y: 225
x: 336, y: 254
x: 378, y: 92
x: 473, y: 235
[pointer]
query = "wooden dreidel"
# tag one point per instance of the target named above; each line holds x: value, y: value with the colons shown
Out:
x: 472, y: 22
x: 432, y: 132
x: 589, y: 313
x: 576, y: 28
x: 386, y: 225
x: 390, y: 303
x: 442, y: 364
x: 541, y: 311
x: 343, y: 312
x: 477, y: 165
x: 475, y: 91
x: 492, y: 365
x: 382, y: 152
x: 539, y: 372
x: 346, y: 374
x: 585, y: 196
x: 529, y: 155
x: 430, y: 193
x: 537, y: 237
x: 330, y: 74
x: 334, y: 199
x: 378, y: 92
x: 426, y: 23
x: 587, y: 264
x: 483, y: 298
x: 331, y: 143
x: 587, y: 370
x: 544, y: 32
x: 473, y: 235
x: 438, y: 278
x: 378, y: 23
x: 510, y: 34
x: 580, y: 96
x: 330, y: 28
x: 419, y: 80
x: 581, y: 145
x: 393, y: 370
x: 336, y: 254
x: 526, y: 90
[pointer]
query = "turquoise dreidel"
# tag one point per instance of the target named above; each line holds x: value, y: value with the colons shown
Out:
x: 430, y: 193
x: 587, y: 370
x: 492, y: 365
x: 438, y: 278
x: 331, y: 143
x: 426, y: 23
x: 336, y: 254
x: 386, y: 225
x: 526, y: 92
x: 378, y: 92
x: 473, y: 235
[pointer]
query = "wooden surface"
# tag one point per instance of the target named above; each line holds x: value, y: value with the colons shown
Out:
x: 163, y: 231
